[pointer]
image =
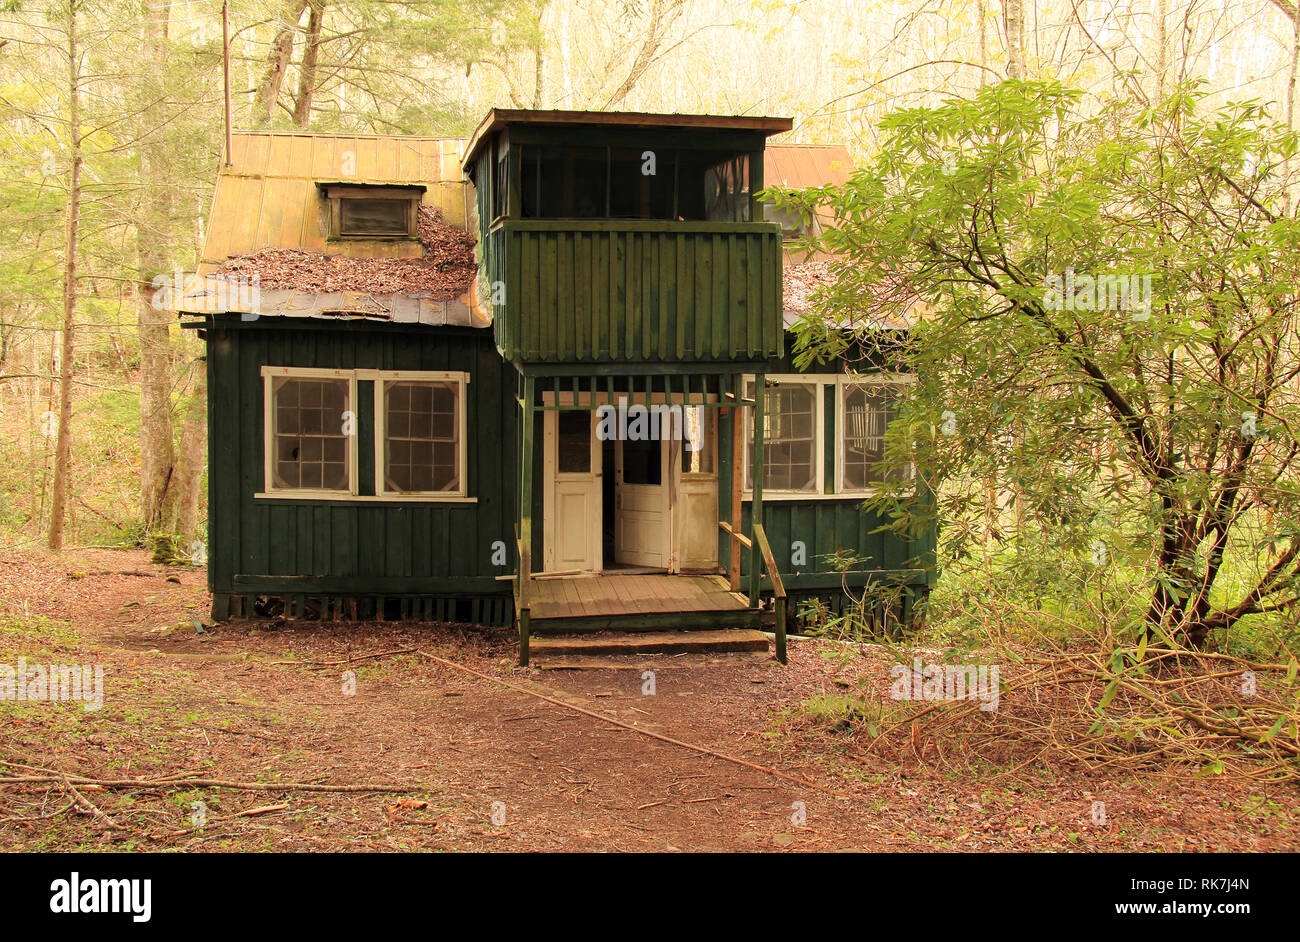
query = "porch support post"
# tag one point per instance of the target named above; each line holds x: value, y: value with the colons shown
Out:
x: 737, y: 479
x: 526, y: 516
x: 756, y: 505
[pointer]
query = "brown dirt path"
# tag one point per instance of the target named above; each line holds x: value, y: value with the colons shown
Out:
x: 491, y: 768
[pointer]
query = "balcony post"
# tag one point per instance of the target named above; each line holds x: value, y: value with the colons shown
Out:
x: 737, y: 478
x: 756, y: 506
x: 526, y: 516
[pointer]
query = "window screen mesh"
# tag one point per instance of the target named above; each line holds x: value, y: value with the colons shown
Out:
x: 789, y: 438
x: 868, y: 409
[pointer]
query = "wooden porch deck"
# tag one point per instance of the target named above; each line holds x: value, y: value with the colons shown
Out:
x: 636, y: 602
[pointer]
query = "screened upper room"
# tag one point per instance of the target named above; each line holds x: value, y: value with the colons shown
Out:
x: 621, y: 166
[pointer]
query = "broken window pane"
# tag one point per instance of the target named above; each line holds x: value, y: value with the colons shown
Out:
x: 308, y: 447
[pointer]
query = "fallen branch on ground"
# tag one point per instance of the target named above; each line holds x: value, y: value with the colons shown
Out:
x: 704, y: 750
x: 55, y: 777
x: 348, y: 660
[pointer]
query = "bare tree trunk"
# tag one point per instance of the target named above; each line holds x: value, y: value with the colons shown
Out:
x: 1162, y: 47
x: 153, y: 230
x: 982, y: 12
x: 277, y: 60
x: 1291, y: 77
x: 1013, y: 23
x: 189, y: 467
x: 538, y: 75
x: 663, y: 14
x: 307, y: 72
x: 1293, y: 68
x: 63, y: 447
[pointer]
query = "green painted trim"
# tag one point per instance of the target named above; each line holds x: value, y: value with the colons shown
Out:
x: 689, y: 137
x: 760, y: 404
x: 342, y: 324
x: 647, y: 621
x: 566, y: 370
x: 636, y: 225
x: 855, y: 580
x: 370, y: 585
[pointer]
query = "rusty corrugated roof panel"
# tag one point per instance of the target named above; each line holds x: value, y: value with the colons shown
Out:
x: 799, y: 166
x: 268, y: 197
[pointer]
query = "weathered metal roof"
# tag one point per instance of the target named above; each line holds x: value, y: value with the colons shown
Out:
x: 799, y: 166
x: 887, y: 304
x: 499, y: 118
x: 218, y: 294
x: 268, y: 197
x: 268, y: 219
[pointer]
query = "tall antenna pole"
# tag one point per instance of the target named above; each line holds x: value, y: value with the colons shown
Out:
x: 225, y: 67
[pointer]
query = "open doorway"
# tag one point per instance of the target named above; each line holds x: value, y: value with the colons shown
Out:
x: 640, y: 522
x: 625, y: 503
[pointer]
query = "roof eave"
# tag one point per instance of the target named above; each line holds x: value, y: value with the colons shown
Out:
x: 499, y: 118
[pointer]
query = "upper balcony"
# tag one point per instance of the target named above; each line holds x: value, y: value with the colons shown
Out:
x: 627, y: 238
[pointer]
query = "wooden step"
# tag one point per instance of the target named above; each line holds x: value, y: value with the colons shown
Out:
x: 650, y: 642
x: 647, y: 621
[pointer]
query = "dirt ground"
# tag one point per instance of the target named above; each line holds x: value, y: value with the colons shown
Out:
x: 485, y: 767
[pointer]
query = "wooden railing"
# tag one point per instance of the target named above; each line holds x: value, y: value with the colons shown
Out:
x: 522, y: 582
x: 778, y: 588
x: 595, y: 291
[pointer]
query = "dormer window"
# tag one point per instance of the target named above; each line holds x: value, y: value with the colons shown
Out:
x: 357, y: 211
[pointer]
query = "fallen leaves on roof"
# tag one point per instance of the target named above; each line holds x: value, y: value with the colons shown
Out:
x: 888, y: 301
x: 801, y: 280
x: 444, y: 271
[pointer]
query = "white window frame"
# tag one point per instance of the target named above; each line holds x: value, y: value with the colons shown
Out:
x: 269, y: 375
x: 843, y: 381
x: 819, y: 381
x: 462, y: 451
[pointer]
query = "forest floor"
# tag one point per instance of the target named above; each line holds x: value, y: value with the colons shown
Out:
x: 486, y: 767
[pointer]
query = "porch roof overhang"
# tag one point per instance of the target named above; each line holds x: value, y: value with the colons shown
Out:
x: 499, y: 118
x: 583, y: 392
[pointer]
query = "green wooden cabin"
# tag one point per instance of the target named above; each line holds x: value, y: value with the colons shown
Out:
x: 554, y: 428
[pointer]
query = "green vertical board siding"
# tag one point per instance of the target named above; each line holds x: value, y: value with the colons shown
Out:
x: 620, y: 290
x: 434, y: 548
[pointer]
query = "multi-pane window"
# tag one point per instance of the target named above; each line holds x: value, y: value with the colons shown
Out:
x: 791, y: 437
x: 422, y: 436
x: 573, y: 445
x: 309, y: 440
x: 798, y: 417
x: 415, y: 420
x: 866, y: 411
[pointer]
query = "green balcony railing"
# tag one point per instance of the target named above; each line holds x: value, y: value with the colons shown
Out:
x: 572, y: 291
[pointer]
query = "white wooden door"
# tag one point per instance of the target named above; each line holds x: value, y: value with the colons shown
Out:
x: 641, y: 518
x: 572, y: 525
x: 695, y: 492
